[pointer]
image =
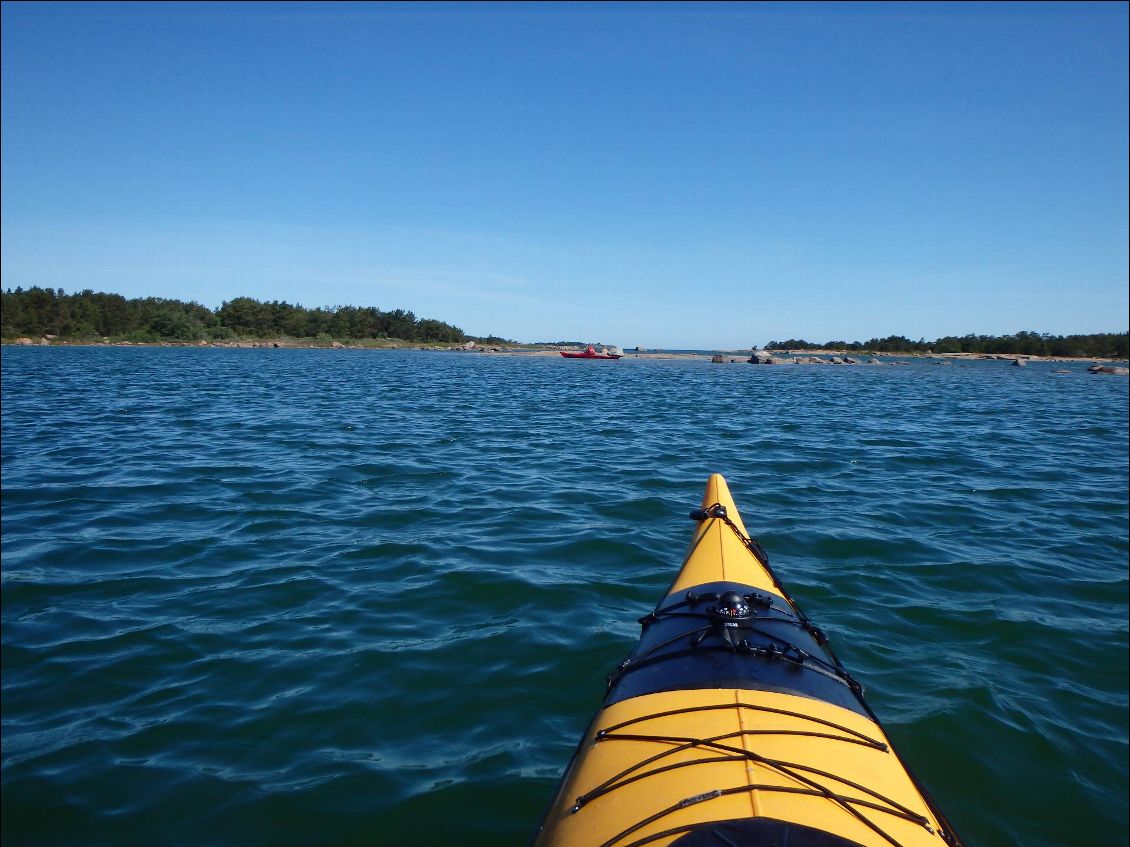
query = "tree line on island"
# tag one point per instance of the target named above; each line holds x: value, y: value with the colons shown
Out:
x: 1104, y: 345
x: 91, y: 315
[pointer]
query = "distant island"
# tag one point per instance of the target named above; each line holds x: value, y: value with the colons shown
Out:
x: 1101, y: 345
x: 97, y: 316
x: 91, y: 316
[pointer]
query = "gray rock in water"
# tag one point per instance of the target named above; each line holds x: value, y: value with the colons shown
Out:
x: 873, y: 361
x: 1108, y: 369
x: 848, y: 360
x: 836, y: 360
x: 1020, y: 363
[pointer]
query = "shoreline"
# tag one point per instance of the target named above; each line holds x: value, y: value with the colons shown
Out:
x: 728, y: 356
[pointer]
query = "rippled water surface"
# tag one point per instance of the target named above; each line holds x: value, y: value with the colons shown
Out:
x: 259, y: 597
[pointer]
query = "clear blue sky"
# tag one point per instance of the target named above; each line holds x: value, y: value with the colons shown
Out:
x: 703, y: 176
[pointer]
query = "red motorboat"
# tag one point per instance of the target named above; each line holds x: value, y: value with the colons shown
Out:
x: 590, y: 354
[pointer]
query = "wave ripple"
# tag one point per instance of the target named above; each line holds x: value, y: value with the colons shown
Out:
x: 318, y: 597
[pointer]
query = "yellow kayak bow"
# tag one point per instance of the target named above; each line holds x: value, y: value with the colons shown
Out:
x: 733, y: 723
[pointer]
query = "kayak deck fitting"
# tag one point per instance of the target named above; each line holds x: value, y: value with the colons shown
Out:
x: 733, y: 722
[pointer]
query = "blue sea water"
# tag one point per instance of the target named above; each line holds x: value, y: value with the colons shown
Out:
x: 260, y: 597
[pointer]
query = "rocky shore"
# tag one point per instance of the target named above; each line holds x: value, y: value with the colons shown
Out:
x: 756, y: 357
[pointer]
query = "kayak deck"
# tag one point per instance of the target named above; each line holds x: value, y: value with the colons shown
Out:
x: 658, y: 766
x: 749, y: 735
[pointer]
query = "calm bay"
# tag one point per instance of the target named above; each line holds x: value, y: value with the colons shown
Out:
x: 259, y: 596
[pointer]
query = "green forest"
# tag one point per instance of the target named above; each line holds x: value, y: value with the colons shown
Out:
x: 91, y: 315
x: 1104, y: 345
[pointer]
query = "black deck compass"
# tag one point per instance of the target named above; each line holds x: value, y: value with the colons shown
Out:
x: 729, y: 616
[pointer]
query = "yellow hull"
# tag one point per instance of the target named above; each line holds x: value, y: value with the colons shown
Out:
x: 722, y: 732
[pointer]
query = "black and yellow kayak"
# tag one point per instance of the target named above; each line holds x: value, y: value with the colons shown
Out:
x: 733, y: 723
